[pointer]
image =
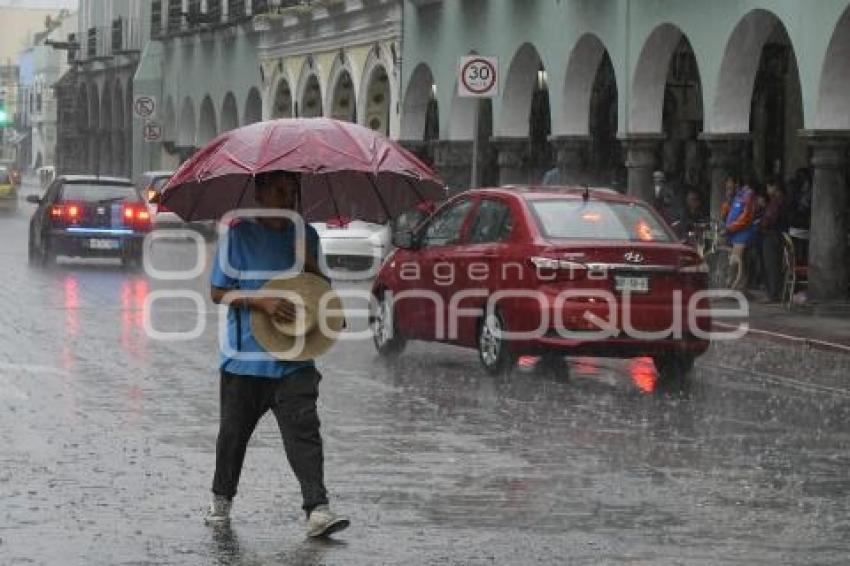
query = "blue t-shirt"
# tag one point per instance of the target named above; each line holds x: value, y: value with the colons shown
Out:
x: 252, y: 246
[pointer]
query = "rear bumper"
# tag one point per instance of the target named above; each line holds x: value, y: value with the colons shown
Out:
x: 78, y: 243
x: 645, y: 330
x: 613, y: 347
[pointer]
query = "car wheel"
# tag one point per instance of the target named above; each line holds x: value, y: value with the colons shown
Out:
x: 385, y: 335
x: 673, y: 367
x: 47, y: 256
x: 492, y: 347
x: 33, y: 258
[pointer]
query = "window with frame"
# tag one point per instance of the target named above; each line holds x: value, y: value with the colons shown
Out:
x: 445, y: 228
x: 493, y: 223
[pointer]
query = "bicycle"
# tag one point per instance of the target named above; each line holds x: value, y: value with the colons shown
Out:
x: 724, y: 269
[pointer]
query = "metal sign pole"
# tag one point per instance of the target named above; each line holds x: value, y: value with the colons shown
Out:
x: 474, y: 177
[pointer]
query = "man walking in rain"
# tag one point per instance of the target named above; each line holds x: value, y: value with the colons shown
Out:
x: 255, y: 383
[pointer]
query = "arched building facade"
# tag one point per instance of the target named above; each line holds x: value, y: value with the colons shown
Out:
x: 311, y: 69
x: 609, y: 93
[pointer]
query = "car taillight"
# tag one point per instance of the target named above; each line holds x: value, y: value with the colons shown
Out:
x: 64, y: 213
x: 137, y: 216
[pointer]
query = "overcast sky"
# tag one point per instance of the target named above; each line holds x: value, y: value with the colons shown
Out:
x: 40, y: 3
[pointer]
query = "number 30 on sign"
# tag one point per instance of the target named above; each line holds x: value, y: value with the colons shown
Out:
x: 479, y: 77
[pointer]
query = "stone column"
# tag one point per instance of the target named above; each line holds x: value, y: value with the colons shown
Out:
x: 512, y: 154
x: 727, y: 154
x: 571, y: 158
x: 641, y: 162
x: 453, y: 162
x: 828, y: 273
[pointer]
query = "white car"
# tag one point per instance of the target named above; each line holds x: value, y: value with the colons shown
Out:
x: 354, y: 246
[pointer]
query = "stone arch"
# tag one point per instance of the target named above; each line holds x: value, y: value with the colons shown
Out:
x: 833, y: 109
x: 310, y: 97
x: 378, y: 99
x: 585, y: 61
x: 419, y: 101
x: 518, y: 94
x: 207, y: 124
x: 282, y: 101
x: 342, y: 102
x: 169, y: 131
x: 380, y: 60
x: 229, y: 113
x: 341, y: 98
x: 186, y: 136
x: 650, y: 79
x: 741, y: 61
x: 253, y: 107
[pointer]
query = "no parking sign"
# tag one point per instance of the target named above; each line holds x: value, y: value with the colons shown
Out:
x: 478, y: 77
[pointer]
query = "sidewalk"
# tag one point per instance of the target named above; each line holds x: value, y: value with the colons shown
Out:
x: 821, y: 326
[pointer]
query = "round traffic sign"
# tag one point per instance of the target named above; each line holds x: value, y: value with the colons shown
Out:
x: 478, y: 76
x: 144, y: 106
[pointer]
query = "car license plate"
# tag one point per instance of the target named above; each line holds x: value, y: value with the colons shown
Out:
x: 103, y: 244
x: 632, y: 284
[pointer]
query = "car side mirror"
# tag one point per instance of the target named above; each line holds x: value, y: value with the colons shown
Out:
x: 34, y: 199
x: 404, y: 239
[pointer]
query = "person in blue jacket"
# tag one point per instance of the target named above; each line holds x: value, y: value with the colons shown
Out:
x: 738, y: 213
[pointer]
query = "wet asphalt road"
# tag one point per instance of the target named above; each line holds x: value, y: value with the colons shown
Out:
x: 108, y: 443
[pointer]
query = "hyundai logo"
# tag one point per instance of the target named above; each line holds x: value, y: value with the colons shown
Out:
x: 633, y: 257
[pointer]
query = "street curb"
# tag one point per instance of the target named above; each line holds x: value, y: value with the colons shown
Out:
x: 779, y: 337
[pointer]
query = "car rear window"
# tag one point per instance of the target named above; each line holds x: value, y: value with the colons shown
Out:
x: 595, y: 220
x: 91, y: 192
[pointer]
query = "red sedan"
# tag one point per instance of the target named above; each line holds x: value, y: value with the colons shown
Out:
x: 547, y: 272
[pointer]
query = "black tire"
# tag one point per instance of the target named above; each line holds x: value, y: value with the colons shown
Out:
x: 48, y: 256
x: 674, y: 367
x: 493, y: 350
x: 33, y: 257
x: 388, y: 343
x: 552, y: 364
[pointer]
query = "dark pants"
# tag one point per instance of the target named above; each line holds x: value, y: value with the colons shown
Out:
x: 772, y: 253
x: 244, y: 400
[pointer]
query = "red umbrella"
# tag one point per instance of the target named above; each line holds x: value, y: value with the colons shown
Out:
x: 348, y: 171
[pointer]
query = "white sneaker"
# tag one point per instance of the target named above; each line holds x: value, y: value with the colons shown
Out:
x: 324, y: 522
x: 219, y: 511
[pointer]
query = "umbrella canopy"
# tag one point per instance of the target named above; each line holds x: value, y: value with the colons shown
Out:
x: 347, y: 171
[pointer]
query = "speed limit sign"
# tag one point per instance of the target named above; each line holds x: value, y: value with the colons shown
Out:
x: 479, y: 77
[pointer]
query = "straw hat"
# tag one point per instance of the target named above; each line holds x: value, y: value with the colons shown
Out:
x: 305, y: 338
